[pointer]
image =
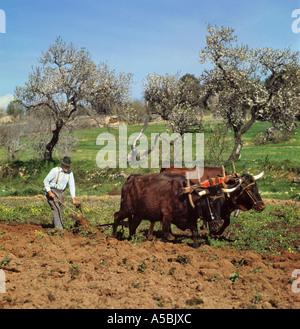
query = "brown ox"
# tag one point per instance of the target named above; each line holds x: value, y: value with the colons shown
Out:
x: 208, y: 172
x: 246, y: 197
x: 162, y: 197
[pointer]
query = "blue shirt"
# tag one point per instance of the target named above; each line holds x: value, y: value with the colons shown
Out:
x: 63, y: 180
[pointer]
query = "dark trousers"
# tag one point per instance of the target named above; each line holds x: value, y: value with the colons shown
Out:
x: 57, y: 208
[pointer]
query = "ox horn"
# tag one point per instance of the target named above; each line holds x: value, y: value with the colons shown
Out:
x: 257, y: 177
x: 203, y: 193
x: 230, y: 190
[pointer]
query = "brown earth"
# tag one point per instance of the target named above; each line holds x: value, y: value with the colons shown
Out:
x: 47, y: 269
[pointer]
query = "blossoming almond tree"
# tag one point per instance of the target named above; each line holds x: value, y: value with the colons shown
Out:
x: 261, y: 81
x: 66, y: 80
x: 162, y: 92
x: 176, y: 100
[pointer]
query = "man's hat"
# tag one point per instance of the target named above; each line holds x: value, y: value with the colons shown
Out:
x: 66, y: 161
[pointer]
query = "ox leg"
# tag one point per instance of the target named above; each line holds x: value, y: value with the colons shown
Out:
x: 225, y: 224
x: 134, y: 222
x: 170, y: 237
x: 166, y: 227
x: 118, y: 218
x: 150, y: 232
x: 195, y: 236
x: 203, y: 227
x: 151, y: 236
x: 116, y: 224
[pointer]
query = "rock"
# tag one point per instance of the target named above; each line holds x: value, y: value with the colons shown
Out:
x: 296, y: 179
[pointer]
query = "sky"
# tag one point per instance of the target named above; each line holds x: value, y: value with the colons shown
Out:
x: 137, y: 36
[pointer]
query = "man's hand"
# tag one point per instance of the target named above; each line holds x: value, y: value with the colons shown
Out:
x: 51, y: 194
x: 75, y: 203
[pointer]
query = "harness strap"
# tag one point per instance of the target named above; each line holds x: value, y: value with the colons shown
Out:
x: 244, y: 189
x: 210, y: 211
x: 58, y: 176
x: 251, y: 197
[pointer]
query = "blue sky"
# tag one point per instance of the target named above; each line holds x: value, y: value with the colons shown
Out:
x: 137, y: 36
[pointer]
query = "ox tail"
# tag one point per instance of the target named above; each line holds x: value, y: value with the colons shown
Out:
x: 116, y: 224
x: 119, y: 217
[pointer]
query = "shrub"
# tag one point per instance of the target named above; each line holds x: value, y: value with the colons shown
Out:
x: 217, y: 144
x: 273, y: 135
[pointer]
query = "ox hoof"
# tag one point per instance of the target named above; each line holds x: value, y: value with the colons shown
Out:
x: 170, y: 237
x: 150, y: 237
x: 215, y: 227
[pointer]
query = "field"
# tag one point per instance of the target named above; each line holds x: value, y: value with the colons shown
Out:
x: 250, y: 266
x: 73, y: 271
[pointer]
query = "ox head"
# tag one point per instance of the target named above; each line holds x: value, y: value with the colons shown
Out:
x: 247, y: 196
x: 207, y: 202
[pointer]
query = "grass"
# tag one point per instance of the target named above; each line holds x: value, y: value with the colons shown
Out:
x: 281, y: 160
x: 275, y: 229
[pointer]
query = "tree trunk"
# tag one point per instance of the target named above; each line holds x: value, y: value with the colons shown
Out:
x: 238, y: 132
x: 238, y: 145
x: 50, y: 146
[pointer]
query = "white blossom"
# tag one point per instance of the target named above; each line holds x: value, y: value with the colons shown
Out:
x: 262, y: 81
x: 68, y: 78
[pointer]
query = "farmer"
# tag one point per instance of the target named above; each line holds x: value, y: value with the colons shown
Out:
x: 55, y: 184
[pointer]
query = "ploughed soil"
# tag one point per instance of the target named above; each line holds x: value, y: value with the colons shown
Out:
x: 49, y: 269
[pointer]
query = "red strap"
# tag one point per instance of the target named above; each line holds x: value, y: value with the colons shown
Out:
x: 207, y: 183
x: 215, y: 181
